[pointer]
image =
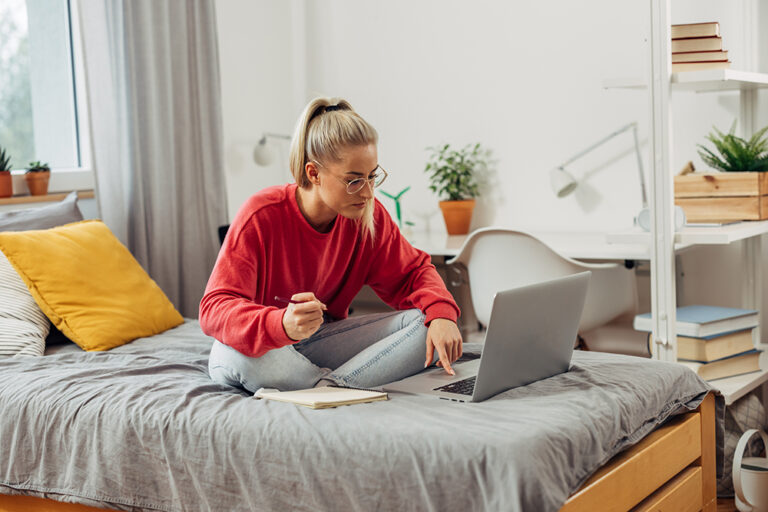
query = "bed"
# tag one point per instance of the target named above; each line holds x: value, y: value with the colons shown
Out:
x: 142, y: 427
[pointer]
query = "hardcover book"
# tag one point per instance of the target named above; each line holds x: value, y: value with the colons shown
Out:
x: 699, y: 44
x: 687, y: 30
x: 712, y: 348
x: 718, y: 56
x: 739, y: 364
x: 701, y: 321
x: 699, y: 66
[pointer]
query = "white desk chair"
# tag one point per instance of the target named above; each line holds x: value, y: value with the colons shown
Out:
x: 499, y: 259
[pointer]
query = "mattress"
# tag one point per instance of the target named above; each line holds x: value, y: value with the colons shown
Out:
x: 142, y: 427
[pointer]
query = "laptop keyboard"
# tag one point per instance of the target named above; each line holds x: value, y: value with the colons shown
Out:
x: 461, y: 387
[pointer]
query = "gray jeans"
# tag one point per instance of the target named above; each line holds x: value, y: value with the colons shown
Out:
x: 365, y: 351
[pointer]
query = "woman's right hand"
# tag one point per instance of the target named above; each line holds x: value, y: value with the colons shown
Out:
x: 301, y: 321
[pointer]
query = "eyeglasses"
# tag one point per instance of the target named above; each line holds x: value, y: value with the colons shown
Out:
x: 375, y: 179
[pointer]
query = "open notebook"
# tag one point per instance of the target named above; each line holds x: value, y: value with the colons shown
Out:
x: 323, y: 397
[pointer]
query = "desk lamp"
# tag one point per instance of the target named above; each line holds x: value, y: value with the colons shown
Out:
x: 264, y: 152
x: 563, y: 182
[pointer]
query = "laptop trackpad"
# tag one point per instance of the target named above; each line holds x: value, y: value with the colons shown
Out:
x: 427, y: 380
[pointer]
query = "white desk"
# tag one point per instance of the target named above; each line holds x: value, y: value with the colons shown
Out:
x: 629, y: 244
x: 580, y: 245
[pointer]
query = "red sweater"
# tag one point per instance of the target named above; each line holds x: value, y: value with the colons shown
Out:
x: 271, y: 249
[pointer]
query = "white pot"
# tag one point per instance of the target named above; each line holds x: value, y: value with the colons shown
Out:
x: 750, y: 476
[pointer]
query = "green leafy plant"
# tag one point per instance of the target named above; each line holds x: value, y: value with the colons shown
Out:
x: 735, y: 153
x: 37, y: 166
x: 5, y: 161
x: 452, y: 173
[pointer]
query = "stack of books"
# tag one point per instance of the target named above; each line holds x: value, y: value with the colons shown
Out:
x: 712, y: 341
x: 698, y: 46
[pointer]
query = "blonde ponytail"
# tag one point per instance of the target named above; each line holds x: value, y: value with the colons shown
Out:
x: 327, y: 127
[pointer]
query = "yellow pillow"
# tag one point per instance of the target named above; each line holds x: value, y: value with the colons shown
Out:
x: 89, y: 284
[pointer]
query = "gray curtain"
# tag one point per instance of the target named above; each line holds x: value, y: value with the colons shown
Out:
x: 154, y: 101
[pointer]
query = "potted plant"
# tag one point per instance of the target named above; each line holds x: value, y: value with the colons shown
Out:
x: 37, y: 177
x: 452, y: 175
x: 6, y: 181
x: 739, y: 191
x: 737, y: 154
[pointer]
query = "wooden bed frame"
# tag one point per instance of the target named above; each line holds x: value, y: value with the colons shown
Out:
x: 671, y: 469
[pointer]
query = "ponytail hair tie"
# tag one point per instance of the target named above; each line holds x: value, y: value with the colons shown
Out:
x: 331, y: 108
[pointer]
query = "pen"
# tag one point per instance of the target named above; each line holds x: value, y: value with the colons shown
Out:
x: 287, y: 301
x: 291, y: 301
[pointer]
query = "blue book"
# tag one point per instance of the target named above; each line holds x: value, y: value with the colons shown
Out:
x: 703, y: 321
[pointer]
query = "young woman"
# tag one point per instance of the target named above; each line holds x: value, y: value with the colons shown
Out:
x: 296, y: 255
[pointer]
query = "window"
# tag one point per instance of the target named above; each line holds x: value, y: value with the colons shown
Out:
x: 38, y: 114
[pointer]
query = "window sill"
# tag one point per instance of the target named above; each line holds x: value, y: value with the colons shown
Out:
x: 47, y: 198
x: 62, y: 180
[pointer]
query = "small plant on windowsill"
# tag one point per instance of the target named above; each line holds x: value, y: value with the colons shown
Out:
x: 6, y: 181
x: 37, y: 177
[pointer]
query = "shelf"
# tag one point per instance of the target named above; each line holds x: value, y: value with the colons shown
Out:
x: 719, y: 80
x: 696, y: 235
x: 47, y: 198
x: 736, y: 387
x: 700, y: 81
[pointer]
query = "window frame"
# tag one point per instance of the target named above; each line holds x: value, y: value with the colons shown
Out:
x: 82, y: 176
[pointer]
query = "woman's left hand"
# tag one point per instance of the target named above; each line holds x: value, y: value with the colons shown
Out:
x: 443, y: 335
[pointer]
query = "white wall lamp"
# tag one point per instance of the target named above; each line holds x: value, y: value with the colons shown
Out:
x: 564, y: 183
x: 264, y: 152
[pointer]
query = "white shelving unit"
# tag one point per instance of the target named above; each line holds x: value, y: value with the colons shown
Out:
x: 662, y: 241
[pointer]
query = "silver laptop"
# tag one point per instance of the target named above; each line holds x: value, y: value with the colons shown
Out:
x: 530, y: 337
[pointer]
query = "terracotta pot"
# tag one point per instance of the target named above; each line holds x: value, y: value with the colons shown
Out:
x: 457, y: 215
x: 37, y: 182
x: 6, y: 184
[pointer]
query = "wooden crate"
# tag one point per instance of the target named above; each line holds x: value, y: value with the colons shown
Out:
x: 725, y: 196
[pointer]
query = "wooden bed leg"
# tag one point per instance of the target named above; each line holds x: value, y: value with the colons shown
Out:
x: 707, y: 461
x: 18, y: 503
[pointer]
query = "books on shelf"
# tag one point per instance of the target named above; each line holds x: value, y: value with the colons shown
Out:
x: 738, y: 364
x: 323, y: 397
x: 698, y: 47
x: 709, y: 29
x: 701, y: 321
x: 716, y: 56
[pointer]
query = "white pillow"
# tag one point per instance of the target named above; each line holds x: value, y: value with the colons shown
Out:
x: 23, y: 325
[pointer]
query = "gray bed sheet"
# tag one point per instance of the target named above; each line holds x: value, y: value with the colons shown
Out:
x: 142, y: 427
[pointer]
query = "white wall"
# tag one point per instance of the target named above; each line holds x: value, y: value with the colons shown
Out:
x: 257, y: 85
x: 520, y: 80
x: 523, y: 78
